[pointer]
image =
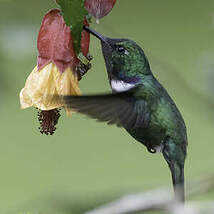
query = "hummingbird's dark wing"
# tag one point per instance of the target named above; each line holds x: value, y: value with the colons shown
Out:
x: 122, y: 109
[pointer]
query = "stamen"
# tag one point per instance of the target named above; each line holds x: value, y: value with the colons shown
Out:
x: 48, y: 121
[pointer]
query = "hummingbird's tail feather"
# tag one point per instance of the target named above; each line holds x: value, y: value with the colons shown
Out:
x: 175, y: 156
x: 178, y: 184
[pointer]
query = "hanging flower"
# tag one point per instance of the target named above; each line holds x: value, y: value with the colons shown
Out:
x: 57, y: 72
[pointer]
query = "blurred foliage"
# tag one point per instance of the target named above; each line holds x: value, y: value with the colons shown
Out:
x: 88, y: 162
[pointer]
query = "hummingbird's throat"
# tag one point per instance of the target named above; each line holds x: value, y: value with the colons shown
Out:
x: 120, y: 86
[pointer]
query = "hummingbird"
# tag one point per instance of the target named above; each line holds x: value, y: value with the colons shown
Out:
x: 139, y: 104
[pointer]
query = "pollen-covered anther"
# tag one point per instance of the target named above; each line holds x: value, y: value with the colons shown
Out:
x: 84, y: 65
x: 82, y: 69
x: 48, y: 121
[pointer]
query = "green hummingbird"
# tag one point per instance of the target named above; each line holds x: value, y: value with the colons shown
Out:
x: 139, y: 103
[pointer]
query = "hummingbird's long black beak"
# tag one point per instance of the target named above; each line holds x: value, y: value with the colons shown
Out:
x: 106, y: 44
x: 95, y: 33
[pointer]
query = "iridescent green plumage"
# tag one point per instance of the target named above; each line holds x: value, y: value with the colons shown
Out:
x: 140, y: 104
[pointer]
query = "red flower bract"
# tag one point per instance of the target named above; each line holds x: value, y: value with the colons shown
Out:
x: 85, y: 40
x: 99, y: 8
x: 55, y: 43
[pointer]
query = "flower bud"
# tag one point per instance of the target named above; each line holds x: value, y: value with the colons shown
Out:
x: 99, y: 8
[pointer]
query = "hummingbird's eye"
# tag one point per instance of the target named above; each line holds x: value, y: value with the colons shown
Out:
x: 121, y: 49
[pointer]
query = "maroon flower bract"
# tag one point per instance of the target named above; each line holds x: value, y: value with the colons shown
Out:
x: 55, y: 43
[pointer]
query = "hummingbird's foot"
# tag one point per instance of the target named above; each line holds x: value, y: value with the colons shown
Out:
x: 84, y: 65
x: 151, y: 150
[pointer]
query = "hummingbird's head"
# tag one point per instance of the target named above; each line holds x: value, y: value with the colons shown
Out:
x: 125, y: 60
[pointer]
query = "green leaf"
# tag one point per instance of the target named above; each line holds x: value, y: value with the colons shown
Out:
x: 73, y: 12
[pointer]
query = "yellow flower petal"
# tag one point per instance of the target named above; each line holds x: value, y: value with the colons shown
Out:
x: 42, y: 85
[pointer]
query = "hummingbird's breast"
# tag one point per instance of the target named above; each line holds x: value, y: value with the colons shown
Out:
x: 151, y: 137
x: 165, y: 121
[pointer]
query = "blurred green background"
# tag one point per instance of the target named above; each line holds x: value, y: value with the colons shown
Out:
x: 86, y: 163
